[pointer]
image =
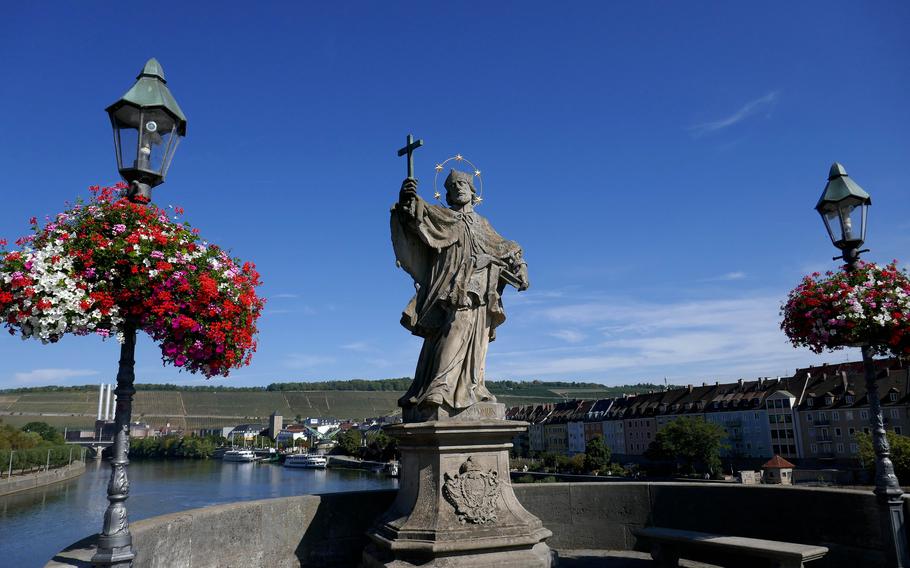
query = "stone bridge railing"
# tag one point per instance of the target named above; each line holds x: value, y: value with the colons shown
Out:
x: 328, y: 530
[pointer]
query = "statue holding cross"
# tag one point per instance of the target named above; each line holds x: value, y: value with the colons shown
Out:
x: 409, y: 150
x: 460, y: 266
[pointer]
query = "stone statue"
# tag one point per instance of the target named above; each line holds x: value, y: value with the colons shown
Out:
x: 460, y: 266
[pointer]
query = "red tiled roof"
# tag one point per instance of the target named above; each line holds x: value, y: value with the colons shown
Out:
x: 778, y: 462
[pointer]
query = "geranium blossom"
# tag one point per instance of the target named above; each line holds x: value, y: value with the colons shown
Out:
x: 868, y: 306
x: 102, y: 264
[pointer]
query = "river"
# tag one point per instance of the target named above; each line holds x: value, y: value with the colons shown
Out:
x: 36, y: 524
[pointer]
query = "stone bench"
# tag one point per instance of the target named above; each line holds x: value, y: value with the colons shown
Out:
x: 668, y: 545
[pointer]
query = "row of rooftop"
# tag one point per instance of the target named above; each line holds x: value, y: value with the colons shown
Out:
x: 814, y: 414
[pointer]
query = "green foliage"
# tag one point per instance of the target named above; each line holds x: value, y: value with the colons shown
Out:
x: 349, y: 442
x: 47, y: 432
x: 37, y: 458
x: 691, y: 443
x: 174, y: 447
x: 597, y: 455
x: 381, y: 447
x: 12, y: 438
x: 900, y: 453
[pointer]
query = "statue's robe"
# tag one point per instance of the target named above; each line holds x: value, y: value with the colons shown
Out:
x: 457, y: 262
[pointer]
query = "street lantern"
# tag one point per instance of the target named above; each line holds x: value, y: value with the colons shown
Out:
x: 843, y: 207
x: 148, y: 124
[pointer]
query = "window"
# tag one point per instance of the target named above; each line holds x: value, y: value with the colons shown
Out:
x: 829, y: 400
x: 840, y: 448
x: 854, y: 448
x: 864, y: 414
x: 837, y: 432
x: 895, y: 413
x: 892, y: 396
x: 898, y: 430
x: 811, y: 432
x: 849, y: 399
x: 814, y: 448
x: 809, y: 402
x: 835, y: 415
x: 851, y: 431
x: 808, y: 417
x: 822, y: 416
x: 848, y: 415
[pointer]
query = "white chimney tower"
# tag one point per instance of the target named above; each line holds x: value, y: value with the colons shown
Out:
x: 100, y: 399
x: 113, y: 398
x: 107, y: 400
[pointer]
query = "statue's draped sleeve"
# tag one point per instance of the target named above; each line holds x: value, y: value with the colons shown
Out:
x: 422, y: 240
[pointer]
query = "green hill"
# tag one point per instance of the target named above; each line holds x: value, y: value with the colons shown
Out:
x: 208, y: 407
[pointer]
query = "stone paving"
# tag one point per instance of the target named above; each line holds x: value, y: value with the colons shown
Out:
x: 615, y: 559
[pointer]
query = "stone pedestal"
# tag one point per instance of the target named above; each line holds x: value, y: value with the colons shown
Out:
x: 455, y: 506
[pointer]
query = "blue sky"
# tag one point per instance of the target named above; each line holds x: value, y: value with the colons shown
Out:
x: 658, y: 161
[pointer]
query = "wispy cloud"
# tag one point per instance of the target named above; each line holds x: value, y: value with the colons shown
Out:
x: 283, y: 296
x: 305, y: 310
x: 568, y: 335
x: 51, y: 375
x: 747, y: 110
x: 306, y: 361
x: 697, y: 340
x: 359, y: 346
x: 727, y: 277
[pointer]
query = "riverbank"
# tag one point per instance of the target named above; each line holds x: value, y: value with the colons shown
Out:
x: 40, y: 479
x: 49, y: 518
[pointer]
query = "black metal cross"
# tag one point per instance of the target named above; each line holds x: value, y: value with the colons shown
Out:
x: 409, y: 150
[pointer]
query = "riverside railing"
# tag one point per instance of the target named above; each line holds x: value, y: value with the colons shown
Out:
x: 37, y: 459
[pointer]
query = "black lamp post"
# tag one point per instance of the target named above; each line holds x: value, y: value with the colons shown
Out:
x: 148, y: 124
x: 843, y: 206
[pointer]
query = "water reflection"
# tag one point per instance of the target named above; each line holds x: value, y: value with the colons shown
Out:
x: 36, y: 524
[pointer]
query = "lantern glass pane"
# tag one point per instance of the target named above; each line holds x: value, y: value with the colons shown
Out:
x: 832, y: 223
x: 155, y: 140
x: 851, y: 218
x: 126, y: 154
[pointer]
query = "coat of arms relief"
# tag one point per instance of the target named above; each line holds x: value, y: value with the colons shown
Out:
x: 472, y: 492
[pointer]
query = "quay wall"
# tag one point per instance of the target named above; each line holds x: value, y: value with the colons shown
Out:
x: 328, y: 530
x: 28, y: 481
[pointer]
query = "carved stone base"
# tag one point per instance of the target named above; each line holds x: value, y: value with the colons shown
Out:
x: 455, y: 506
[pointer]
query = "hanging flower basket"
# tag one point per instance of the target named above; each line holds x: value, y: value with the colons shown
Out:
x: 869, y: 306
x: 99, y: 265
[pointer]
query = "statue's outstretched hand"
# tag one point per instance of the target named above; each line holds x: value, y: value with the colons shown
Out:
x: 408, y: 194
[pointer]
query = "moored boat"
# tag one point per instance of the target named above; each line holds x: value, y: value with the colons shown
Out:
x: 308, y: 461
x: 239, y: 456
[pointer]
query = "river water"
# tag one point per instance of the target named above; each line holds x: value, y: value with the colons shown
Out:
x: 36, y: 524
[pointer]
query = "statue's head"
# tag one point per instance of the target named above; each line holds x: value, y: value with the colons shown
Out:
x: 459, y: 188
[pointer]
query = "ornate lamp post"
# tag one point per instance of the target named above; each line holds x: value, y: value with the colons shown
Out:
x: 148, y: 124
x: 843, y: 206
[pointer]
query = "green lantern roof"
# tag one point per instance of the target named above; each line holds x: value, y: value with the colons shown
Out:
x: 839, y: 188
x: 150, y: 91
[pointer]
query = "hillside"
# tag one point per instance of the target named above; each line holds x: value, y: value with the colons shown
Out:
x: 204, y: 408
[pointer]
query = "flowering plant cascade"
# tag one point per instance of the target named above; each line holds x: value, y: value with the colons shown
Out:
x: 98, y: 266
x: 868, y: 306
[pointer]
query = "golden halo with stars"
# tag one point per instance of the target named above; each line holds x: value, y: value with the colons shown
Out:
x: 478, y: 184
